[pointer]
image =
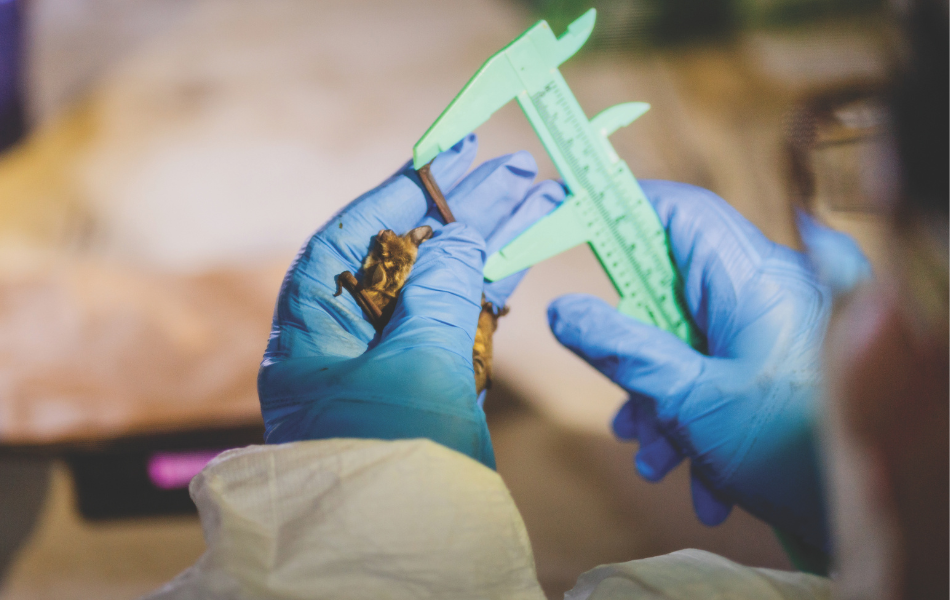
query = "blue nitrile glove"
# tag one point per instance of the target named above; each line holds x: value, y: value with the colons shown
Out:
x: 327, y: 373
x: 836, y: 257
x: 744, y: 413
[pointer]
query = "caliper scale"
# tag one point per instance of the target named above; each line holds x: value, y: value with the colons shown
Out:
x: 605, y: 207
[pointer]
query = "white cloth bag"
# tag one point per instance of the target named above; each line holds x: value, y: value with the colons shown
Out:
x: 349, y: 518
x: 695, y: 574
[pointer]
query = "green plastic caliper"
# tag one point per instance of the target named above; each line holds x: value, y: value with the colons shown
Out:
x: 605, y: 207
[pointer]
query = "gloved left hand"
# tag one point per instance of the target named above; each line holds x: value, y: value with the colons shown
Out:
x: 744, y: 413
x: 326, y: 373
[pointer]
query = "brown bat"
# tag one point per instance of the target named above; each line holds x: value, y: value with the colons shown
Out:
x: 386, y: 269
x: 482, y: 351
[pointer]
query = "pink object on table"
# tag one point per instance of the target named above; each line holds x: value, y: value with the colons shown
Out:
x: 174, y: 470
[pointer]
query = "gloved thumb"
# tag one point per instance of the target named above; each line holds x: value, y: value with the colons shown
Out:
x: 439, y: 305
x: 837, y: 258
x: 638, y: 357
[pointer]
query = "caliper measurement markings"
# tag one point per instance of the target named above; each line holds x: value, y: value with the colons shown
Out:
x: 609, y: 204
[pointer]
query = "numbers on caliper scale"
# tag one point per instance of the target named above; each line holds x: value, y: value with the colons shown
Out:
x: 607, y: 208
x: 608, y: 211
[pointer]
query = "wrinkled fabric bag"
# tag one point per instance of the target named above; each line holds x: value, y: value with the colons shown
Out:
x: 353, y: 518
x: 691, y: 574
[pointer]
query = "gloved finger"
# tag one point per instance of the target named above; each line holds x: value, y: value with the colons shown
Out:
x: 709, y: 507
x: 656, y: 459
x: 638, y: 357
x: 626, y: 423
x: 538, y: 202
x: 480, y: 400
x: 714, y: 247
x: 440, y: 303
x: 657, y: 455
x: 635, y: 420
x: 835, y: 256
x: 490, y: 194
x: 399, y: 204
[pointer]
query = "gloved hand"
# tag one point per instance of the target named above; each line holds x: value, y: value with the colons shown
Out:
x: 744, y: 413
x: 835, y: 256
x: 326, y: 373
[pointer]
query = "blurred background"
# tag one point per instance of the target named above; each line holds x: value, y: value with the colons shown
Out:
x: 164, y: 159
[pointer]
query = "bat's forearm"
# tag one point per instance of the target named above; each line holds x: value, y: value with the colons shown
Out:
x: 348, y: 280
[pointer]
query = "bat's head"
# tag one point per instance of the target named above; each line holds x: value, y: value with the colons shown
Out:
x: 398, y: 253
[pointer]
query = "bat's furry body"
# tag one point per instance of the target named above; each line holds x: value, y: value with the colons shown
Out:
x: 385, y: 270
x: 482, y: 351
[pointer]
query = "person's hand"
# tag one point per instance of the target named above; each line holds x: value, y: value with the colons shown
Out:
x: 836, y: 257
x: 326, y: 373
x: 744, y: 413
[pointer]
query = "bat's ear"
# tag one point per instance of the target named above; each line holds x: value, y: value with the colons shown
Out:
x: 419, y: 234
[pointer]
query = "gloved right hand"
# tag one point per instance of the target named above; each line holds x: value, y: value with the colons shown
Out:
x: 328, y: 373
x: 744, y: 413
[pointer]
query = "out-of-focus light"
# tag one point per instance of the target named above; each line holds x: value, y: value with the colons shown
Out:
x: 174, y: 470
